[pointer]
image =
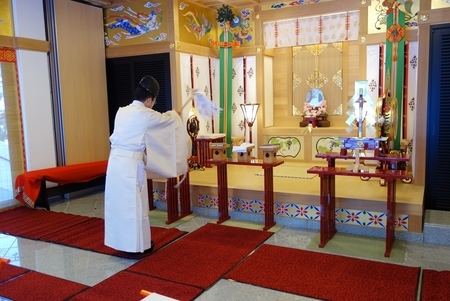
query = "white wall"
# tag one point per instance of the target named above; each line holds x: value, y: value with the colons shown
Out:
x: 34, y: 81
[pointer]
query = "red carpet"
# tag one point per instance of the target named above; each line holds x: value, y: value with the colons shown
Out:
x: 435, y: 285
x: 37, y: 286
x: 126, y: 286
x: 78, y: 231
x: 34, y: 223
x: 202, y: 257
x: 8, y: 271
x: 326, y: 276
x: 90, y: 236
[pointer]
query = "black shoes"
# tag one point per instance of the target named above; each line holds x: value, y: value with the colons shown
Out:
x: 150, y: 249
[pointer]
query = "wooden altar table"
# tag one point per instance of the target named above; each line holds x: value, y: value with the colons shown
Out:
x: 222, y: 183
x: 328, y: 194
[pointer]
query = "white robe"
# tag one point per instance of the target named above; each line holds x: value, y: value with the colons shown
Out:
x: 127, y: 225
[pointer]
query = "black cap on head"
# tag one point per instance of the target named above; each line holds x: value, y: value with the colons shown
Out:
x: 150, y: 84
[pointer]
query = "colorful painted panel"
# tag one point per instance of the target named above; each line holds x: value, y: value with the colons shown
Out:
x: 243, y: 27
x: 139, y: 22
x: 197, y: 25
x: 326, y: 144
x: 288, y: 4
x: 6, y: 23
x: 289, y: 146
x: 364, y: 218
x: 372, y: 219
x: 377, y: 15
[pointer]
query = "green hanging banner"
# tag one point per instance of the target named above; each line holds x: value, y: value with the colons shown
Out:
x: 395, y: 63
x: 226, y: 101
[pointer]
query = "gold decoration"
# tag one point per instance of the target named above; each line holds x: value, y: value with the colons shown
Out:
x: 338, y: 46
x: 295, y: 50
x: 316, y: 49
x: 393, y: 121
x: 395, y: 33
x: 337, y: 79
x: 234, y: 44
x: 296, y: 112
x: 424, y: 17
x: 171, y: 45
x: 338, y: 110
x: 317, y: 80
x: 362, y: 39
x: 296, y: 81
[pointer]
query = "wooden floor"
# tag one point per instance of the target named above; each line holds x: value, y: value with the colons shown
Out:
x: 351, y: 192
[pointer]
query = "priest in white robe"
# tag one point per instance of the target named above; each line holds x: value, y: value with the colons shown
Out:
x: 127, y: 225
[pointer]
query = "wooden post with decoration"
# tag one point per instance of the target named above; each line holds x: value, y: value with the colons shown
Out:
x: 395, y: 52
x: 224, y: 16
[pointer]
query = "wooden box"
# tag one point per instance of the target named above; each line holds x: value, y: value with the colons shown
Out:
x: 269, y: 152
x: 244, y: 151
x: 219, y: 151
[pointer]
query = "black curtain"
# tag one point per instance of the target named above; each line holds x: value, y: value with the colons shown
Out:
x: 123, y: 75
x: 437, y: 188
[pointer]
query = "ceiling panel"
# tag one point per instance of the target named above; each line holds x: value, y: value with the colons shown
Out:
x: 212, y: 4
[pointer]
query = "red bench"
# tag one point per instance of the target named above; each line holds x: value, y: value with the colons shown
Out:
x: 31, y: 187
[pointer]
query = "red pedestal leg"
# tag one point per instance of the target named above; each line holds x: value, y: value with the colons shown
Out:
x: 390, y: 223
x: 268, y: 198
x: 222, y: 183
x: 327, y: 208
x: 151, y: 203
x: 185, y: 197
x: 172, y: 200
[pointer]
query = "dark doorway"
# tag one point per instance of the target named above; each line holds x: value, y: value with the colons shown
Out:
x: 123, y: 75
x: 437, y: 182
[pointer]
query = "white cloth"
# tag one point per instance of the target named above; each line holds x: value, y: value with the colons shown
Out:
x: 127, y: 225
x: 168, y: 150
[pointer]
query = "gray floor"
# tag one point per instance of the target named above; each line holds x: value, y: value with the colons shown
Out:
x: 90, y: 268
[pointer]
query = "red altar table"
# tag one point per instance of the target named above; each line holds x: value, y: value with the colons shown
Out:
x: 222, y: 183
x: 203, y: 151
x: 30, y: 184
x: 328, y: 194
x: 174, y: 211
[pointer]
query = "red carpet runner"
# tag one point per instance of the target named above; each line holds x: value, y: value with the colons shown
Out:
x: 34, y: 223
x: 435, y: 285
x: 202, y: 257
x: 125, y: 286
x: 78, y: 231
x: 8, y: 271
x: 90, y: 236
x: 326, y: 276
x: 38, y: 287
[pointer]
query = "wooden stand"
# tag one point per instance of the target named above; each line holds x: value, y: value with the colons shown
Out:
x: 269, y: 152
x: 319, y: 121
x: 219, y: 151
